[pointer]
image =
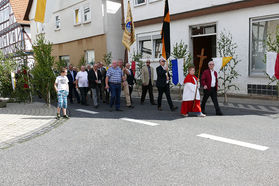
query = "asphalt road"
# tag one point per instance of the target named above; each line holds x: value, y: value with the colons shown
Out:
x: 156, y: 148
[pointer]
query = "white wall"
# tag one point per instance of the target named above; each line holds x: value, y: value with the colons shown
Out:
x: 69, y: 31
x: 114, y: 32
x: 236, y: 22
x: 156, y: 9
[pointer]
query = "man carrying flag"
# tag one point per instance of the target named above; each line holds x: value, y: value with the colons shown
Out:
x: 127, y: 40
x: 163, y: 76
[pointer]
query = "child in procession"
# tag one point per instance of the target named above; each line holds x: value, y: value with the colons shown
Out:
x: 62, y: 88
x: 191, y: 95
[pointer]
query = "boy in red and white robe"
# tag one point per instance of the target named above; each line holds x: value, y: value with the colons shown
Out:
x: 190, y: 84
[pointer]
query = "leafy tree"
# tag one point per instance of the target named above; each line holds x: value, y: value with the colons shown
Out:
x: 107, y: 58
x: 180, y: 50
x: 61, y: 63
x: 23, y: 90
x: 82, y: 62
x: 139, y: 65
x: 43, y: 74
x: 7, y: 65
x: 226, y: 47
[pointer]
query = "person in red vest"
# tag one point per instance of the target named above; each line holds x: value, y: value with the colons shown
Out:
x: 191, y: 98
x: 209, y: 82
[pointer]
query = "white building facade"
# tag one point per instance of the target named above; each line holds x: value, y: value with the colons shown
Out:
x: 80, y: 29
x: 198, y: 24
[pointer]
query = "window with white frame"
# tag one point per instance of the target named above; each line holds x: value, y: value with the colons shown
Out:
x: 157, y: 48
x: 77, y: 16
x: 65, y: 59
x: 140, y: 2
x: 57, y: 22
x: 86, y: 14
x: 90, y: 57
x: 259, y: 31
x: 150, y: 46
x: 145, y: 48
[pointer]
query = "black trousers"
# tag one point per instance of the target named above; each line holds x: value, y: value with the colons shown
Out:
x: 213, y: 94
x: 161, y: 91
x: 149, y: 87
x: 131, y: 88
x: 83, y: 92
x: 72, y: 90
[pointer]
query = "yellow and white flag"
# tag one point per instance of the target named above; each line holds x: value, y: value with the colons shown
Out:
x: 40, y: 11
x: 129, y: 33
x: 221, y: 63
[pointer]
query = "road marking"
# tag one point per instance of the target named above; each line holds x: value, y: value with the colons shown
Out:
x: 252, y: 107
x: 241, y: 106
x: 263, y: 108
x: 140, y: 121
x: 275, y: 109
x: 234, y: 142
x: 86, y: 111
x: 221, y: 104
x: 231, y: 105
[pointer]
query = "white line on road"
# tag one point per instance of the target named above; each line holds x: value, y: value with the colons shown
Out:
x: 234, y: 142
x: 140, y: 121
x: 252, y: 107
x: 275, y: 109
x: 86, y: 111
x: 241, y: 106
x: 263, y: 108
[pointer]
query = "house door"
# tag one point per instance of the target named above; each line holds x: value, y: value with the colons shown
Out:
x: 209, y: 45
x: 204, y: 37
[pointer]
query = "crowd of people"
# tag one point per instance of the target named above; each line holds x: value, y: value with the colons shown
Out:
x: 105, y: 85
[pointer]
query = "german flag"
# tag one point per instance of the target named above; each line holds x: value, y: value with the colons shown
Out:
x: 165, y: 33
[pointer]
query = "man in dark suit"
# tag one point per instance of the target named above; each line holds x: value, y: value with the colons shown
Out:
x: 163, y: 80
x: 95, y: 80
x: 72, y: 81
x: 104, y: 94
x: 210, y: 86
x: 131, y: 80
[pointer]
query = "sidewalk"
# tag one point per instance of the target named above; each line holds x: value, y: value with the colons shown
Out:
x: 19, y: 122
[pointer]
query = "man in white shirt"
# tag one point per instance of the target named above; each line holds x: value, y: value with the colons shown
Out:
x: 210, y: 86
x: 82, y: 84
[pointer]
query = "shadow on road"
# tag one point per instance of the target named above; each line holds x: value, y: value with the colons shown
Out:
x: 150, y: 112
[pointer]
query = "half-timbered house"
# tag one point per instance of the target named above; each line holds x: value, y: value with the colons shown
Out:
x: 14, y: 31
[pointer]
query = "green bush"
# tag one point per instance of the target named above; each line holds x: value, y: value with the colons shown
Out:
x: 7, y: 65
x: 43, y: 72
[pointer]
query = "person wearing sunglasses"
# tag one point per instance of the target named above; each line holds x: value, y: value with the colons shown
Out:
x: 147, y: 77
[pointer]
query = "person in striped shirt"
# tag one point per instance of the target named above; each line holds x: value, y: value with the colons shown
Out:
x: 114, y: 78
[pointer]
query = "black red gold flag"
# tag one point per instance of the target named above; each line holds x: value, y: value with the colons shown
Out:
x: 165, y: 33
